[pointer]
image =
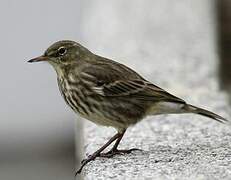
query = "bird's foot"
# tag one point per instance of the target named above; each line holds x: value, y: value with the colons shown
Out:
x: 108, y: 154
x: 113, y: 152
x: 86, y: 161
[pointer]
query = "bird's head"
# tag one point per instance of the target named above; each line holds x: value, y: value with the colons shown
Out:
x: 63, y: 53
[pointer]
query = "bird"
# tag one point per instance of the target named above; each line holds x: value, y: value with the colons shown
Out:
x: 109, y: 93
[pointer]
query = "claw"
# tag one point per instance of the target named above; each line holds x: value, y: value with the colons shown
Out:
x: 118, y: 136
x: 88, y: 157
x: 108, y: 154
x: 113, y: 152
x: 86, y: 161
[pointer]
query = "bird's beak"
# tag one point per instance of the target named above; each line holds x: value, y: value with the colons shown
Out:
x: 38, y: 59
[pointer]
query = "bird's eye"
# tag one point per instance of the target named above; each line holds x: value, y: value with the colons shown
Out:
x: 62, y: 51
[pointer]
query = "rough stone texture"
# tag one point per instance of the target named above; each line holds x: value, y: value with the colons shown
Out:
x: 79, y: 143
x: 172, y: 44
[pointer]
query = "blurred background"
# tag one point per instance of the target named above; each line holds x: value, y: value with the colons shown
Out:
x: 37, y: 129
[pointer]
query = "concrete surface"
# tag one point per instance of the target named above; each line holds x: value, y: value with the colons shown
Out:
x: 172, y: 44
x: 79, y: 144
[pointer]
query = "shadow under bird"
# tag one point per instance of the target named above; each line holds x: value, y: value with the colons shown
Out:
x: 109, y: 93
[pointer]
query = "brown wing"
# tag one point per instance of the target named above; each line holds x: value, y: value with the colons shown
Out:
x: 139, y: 89
x: 118, y: 80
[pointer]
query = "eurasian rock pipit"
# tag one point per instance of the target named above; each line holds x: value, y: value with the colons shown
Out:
x: 109, y: 93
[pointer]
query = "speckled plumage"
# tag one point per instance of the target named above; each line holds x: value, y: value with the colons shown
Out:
x: 109, y: 93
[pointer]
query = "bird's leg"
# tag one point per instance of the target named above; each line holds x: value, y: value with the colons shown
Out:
x: 115, y: 149
x: 97, y: 153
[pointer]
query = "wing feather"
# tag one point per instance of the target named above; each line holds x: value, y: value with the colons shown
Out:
x: 139, y: 89
x: 113, y: 83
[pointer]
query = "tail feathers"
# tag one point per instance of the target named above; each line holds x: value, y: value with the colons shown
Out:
x: 206, y: 113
